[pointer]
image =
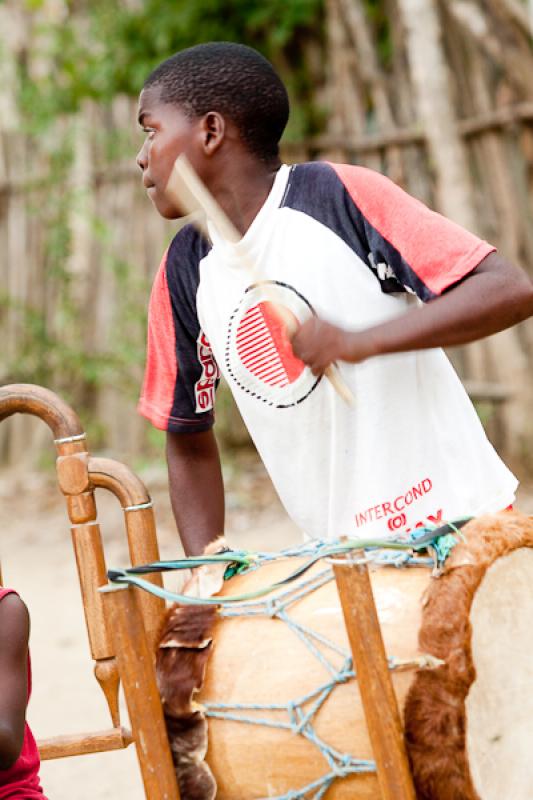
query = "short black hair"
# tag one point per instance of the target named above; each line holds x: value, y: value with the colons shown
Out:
x: 233, y: 79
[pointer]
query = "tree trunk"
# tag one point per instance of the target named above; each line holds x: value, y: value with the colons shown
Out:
x: 432, y: 85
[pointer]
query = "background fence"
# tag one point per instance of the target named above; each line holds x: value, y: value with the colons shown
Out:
x: 447, y: 114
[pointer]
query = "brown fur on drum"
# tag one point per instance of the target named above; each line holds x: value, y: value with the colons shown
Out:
x: 181, y: 660
x: 435, y: 717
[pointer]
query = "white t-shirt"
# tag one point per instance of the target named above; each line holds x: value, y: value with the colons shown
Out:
x: 347, y: 244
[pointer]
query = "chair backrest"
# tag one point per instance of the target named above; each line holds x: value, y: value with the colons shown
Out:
x: 121, y: 623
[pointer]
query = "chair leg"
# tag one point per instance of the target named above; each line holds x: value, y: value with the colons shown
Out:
x: 137, y: 673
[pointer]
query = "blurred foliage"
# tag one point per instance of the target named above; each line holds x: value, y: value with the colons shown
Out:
x: 379, y: 18
x: 107, y: 47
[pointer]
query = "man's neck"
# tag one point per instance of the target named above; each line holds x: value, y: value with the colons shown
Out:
x: 242, y: 188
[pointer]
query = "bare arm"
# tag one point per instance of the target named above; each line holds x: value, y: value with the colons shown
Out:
x: 196, y: 488
x: 14, y: 634
x: 491, y: 298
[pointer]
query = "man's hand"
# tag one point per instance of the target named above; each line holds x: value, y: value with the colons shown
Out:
x: 318, y: 344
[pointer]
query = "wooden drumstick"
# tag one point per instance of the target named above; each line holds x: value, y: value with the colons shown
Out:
x: 185, y: 187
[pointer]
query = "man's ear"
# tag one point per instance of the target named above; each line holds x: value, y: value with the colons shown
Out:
x: 213, y: 131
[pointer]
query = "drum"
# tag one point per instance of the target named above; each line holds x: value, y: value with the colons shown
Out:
x: 284, y: 714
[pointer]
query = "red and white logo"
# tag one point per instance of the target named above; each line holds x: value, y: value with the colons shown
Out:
x: 204, y: 388
x: 259, y: 355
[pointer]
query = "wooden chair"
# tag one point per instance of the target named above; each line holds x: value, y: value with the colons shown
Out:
x: 121, y: 622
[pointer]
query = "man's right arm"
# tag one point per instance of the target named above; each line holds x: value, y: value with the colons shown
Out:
x: 196, y: 488
x: 178, y: 394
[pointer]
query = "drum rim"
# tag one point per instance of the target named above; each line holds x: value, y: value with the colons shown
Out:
x: 435, y: 708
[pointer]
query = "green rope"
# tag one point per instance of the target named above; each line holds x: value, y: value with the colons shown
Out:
x: 440, y: 539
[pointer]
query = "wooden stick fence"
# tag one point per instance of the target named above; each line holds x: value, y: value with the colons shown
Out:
x: 133, y: 239
x: 498, y: 119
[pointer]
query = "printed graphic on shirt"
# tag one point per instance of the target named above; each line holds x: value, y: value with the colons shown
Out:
x: 205, y: 387
x: 259, y: 355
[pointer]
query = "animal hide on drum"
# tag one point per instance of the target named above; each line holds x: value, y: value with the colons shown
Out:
x: 182, y: 655
x: 183, y: 652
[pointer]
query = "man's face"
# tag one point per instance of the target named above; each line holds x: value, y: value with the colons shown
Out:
x: 168, y: 134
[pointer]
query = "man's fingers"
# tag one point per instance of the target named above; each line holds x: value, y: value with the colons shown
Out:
x: 298, y: 346
x: 312, y: 344
x: 302, y: 339
x: 293, y: 331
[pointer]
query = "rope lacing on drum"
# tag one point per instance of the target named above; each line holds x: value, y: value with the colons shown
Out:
x: 297, y: 715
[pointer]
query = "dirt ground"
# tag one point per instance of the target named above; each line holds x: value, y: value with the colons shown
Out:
x: 37, y: 559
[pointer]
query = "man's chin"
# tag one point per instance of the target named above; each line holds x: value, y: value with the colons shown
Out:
x: 166, y: 209
x: 171, y: 213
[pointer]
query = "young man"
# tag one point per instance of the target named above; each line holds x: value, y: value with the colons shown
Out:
x: 351, y: 256
x: 19, y: 757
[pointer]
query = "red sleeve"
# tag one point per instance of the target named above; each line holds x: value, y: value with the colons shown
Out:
x: 415, y: 241
x: 157, y: 396
x: 181, y: 374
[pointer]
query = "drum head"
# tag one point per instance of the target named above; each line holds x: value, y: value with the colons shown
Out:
x: 499, y: 705
x: 469, y: 723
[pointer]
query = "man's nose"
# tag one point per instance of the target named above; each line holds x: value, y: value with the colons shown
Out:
x: 142, y: 157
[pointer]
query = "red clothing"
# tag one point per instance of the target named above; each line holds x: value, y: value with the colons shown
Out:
x: 21, y: 781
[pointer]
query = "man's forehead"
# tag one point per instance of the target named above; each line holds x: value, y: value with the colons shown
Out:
x: 151, y: 105
x: 149, y: 100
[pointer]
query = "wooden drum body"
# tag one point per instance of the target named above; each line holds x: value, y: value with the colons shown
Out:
x: 468, y: 716
x: 261, y: 660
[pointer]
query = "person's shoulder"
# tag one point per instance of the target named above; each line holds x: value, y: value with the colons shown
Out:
x: 181, y: 264
x: 312, y: 168
x: 14, y: 618
x: 188, y: 245
x: 331, y: 171
x: 11, y: 603
x: 312, y: 172
x: 310, y: 184
x: 363, y: 184
x: 320, y: 181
